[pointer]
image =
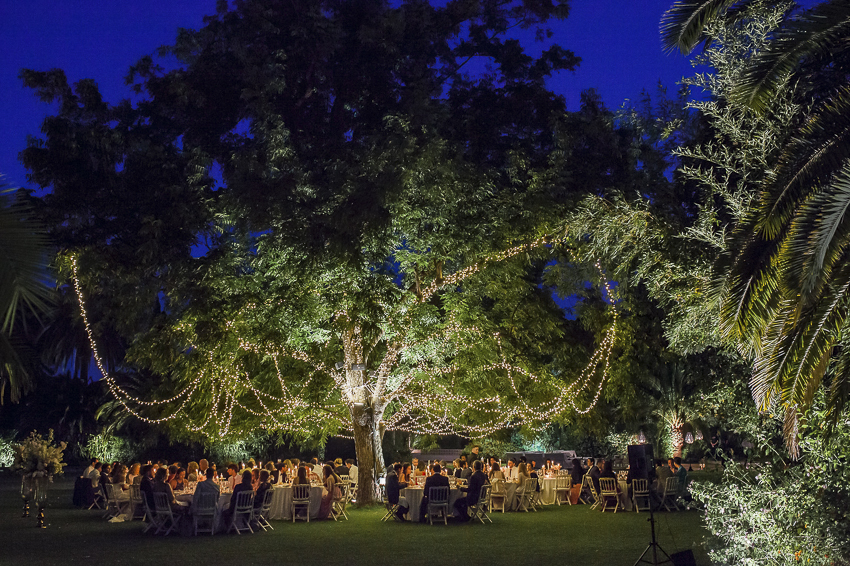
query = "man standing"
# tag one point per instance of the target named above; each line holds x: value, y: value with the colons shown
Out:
x: 436, y: 479
x: 473, y: 454
x: 394, y: 487
x: 476, y: 481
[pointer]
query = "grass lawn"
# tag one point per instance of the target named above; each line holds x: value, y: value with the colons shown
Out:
x: 556, y: 535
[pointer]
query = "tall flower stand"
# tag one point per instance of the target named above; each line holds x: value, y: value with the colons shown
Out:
x: 26, y: 493
x: 41, y: 485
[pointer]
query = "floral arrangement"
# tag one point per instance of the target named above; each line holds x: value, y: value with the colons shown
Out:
x: 38, y: 457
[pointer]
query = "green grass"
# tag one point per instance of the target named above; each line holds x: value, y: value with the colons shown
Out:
x: 555, y: 535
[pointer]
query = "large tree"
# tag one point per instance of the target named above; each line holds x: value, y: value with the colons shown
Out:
x: 372, y: 218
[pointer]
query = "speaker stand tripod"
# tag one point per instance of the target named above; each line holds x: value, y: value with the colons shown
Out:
x: 653, y: 544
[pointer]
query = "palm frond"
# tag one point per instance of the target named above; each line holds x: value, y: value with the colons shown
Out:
x: 818, y: 238
x: 683, y: 24
x: 816, y: 32
x: 23, y: 258
x: 817, y: 151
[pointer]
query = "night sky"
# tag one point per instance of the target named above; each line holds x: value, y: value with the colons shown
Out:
x: 618, y: 42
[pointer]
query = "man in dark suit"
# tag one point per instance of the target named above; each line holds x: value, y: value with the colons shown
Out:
x: 473, y: 491
x: 394, y: 488
x: 435, y: 480
x: 146, y: 485
x: 595, y: 472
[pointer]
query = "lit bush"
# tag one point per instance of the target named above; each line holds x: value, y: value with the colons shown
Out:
x: 784, y: 512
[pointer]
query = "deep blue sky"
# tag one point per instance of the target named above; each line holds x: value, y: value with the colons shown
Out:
x: 617, y: 40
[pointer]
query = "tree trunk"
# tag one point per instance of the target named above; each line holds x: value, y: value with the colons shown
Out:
x: 368, y: 437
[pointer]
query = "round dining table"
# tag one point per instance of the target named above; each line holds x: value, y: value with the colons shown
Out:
x: 414, y: 496
x: 282, y: 502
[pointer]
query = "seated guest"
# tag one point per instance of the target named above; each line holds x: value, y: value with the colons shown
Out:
x: 146, y: 484
x: 273, y: 473
x: 353, y: 470
x: 172, y: 473
x: 301, y: 476
x: 232, y: 476
x: 477, y: 480
x: 88, y: 472
x: 118, y: 476
x: 192, y: 471
x: 262, y: 488
x: 682, y: 475
x: 662, y: 472
x: 244, y: 485
x: 394, y: 486
x: 512, y: 471
x: 406, y: 473
x: 577, y: 478
x: 496, y: 472
x: 339, y: 468
x: 180, y: 482
x: 418, y: 470
x: 436, y: 479
x: 596, y: 472
x: 210, y: 486
x: 465, y: 470
x: 162, y: 486
x: 331, y: 491
x: 203, y: 466
x: 456, y: 468
x: 133, y: 476
x: 255, y: 478
x: 104, y: 474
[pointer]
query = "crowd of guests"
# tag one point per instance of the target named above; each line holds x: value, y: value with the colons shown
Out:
x: 161, y: 477
x: 478, y: 473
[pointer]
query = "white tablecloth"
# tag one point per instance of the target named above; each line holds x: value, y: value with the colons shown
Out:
x: 282, y: 502
x: 414, y: 496
x: 547, y: 490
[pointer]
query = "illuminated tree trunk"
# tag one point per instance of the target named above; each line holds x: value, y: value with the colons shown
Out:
x: 364, y: 402
x: 368, y: 443
x: 677, y: 440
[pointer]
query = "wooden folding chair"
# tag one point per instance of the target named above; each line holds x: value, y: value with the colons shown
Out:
x: 608, y: 491
x: 438, y: 502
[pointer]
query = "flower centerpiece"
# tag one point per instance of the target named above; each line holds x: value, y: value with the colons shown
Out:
x: 37, y: 459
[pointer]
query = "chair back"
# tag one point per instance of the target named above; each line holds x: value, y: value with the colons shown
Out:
x: 564, y: 482
x: 343, y: 491
x: 640, y: 487
x: 135, y: 494
x: 344, y: 477
x: 161, y: 504
x: 205, y: 503
x: 301, y: 492
x: 672, y: 485
x: 439, y: 494
x: 267, y: 501
x: 608, y: 486
x: 530, y: 485
x: 498, y: 486
x: 484, y: 494
x: 245, y: 501
x: 109, y: 491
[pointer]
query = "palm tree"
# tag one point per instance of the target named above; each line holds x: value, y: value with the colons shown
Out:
x: 669, y: 391
x: 783, y: 286
x: 25, y: 292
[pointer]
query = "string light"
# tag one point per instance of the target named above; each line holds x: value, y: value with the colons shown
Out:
x: 422, y: 399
